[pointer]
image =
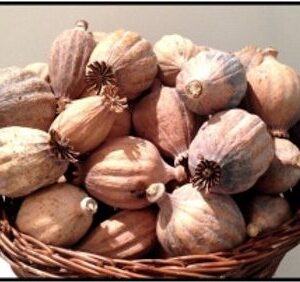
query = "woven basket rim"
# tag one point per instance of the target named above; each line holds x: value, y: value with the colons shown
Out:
x: 257, y: 257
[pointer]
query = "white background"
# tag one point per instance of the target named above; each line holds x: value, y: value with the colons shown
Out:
x: 27, y: 32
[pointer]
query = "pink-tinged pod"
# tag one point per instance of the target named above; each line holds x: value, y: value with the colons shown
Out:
x: 119, y: 172
x: 193, y: 222
x: 212, y: 81
x: 250, y: 56
x: 162, y: 118
x: 68, y: 57
x: 284, y: 171
x: 230, y: 152
x: 274, y: 94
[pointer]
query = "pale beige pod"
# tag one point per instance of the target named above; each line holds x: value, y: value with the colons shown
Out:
x: 192, y: 222
x: 265, y: 213
x: 119, y: 172
x: 98, y: 35
x: 123, y: 58
x: 69, y: 54
x: 58, y: 215
x: 125, y: 235
x: 25, y: 99
x: 40, y: 69
x: 274, y: 94
x: 86, y: 122
x: 284, y: 171
x: 172, y: 51
x: 31, y: 159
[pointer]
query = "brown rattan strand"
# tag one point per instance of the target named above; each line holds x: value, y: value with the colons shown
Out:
x: 257, y: 257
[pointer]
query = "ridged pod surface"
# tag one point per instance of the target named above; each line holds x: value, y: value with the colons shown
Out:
x: 192, y: 222
x: 119, y: 172
x: 212, y: 81
x: 265, y: 213
x: 250, y: 56
x: 86, y: 122
x: 284, y: 171
x: 58, y: 215
x: 29, y: 160
x: 162, y: 118
x: 125, y: 235
x: 123, y: 58
x: 40, y: 69
x: 25, y: 99
x: 230, y: 152
x: 172, y: 51
x: 274, y: 94
x: 68, y: 57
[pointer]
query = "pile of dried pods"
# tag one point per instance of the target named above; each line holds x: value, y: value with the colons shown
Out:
x: 111, y: 128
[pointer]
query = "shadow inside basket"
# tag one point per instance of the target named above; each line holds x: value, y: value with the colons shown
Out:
x: 257, y: 257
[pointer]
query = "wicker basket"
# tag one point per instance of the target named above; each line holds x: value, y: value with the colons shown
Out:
x: 257, y: 258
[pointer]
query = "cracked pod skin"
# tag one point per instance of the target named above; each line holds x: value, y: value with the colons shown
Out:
x: 284, y: 171
x: 194, y: 222
x: 92, y: 116
x: 125, y: 235
x: 25, y: 100
x: 58, y: 215
x: 29, y: 160
x: 162, y: 118
x: 274, y: 94
x: 172, y: 51
x: 68, y: 57
x: 119, y: 172
x: 265, y: 213
x: 230, y: 152
x: 125, y: 59
x: 212, y: 81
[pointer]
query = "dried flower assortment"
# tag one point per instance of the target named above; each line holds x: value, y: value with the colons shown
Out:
x: 170, y: 136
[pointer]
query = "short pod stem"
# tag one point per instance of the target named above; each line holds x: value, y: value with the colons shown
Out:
x: 89, y: 205
x: 156, y: 193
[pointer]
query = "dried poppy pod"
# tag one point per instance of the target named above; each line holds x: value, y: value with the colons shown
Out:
x: 284, y: 171
x: 265, y: 213
x: 40, y: 69
x: 121, y: 126
x: 31, y: 159
x: 172, y: 51
x: 119, y: 172
x: 192, y: 222
x: 68, y: 57
x: 98, y: 36
x: 123, y: 58
x: 250, y: 56
x: 125, y: 235
x: 93, y: 117
x: 58, y: 215
x: 25, y: 99
x: 274, y: 94
x: 212, y: 81
x: 162, y: 118
x: 230, y: 152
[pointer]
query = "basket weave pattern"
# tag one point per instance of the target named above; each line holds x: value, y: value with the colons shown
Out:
x: 257, y: 257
